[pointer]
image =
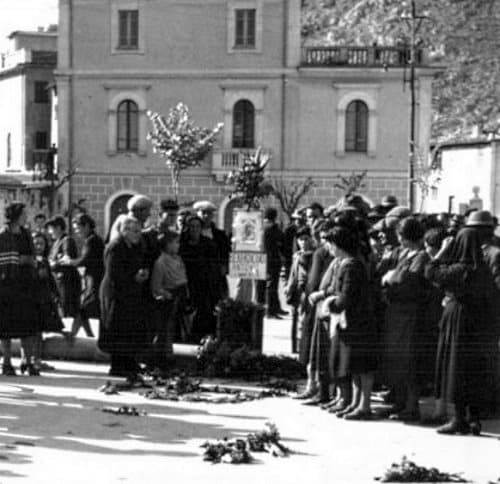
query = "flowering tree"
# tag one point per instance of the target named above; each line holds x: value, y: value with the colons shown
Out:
x: 179, y: 141
x: 249, y: 182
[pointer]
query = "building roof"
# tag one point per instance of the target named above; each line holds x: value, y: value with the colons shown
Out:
x: 471, y: 143
x: 33, y: 33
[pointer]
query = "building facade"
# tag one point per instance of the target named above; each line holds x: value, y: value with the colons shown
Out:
x: 320, y: 112
x: 26, y: 134
x: 469, y: 177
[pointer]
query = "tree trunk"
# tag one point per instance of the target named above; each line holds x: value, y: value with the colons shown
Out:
x: 175, y: 173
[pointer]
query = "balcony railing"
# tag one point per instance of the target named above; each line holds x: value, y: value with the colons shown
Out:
x: 341, y: 56
x: 226, y: 160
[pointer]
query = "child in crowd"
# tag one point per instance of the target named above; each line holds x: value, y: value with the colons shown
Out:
x: 170, y: 290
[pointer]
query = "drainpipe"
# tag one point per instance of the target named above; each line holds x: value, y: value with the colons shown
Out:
x: 283, y: 84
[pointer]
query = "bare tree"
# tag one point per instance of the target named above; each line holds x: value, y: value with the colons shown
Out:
x: 289, y: 194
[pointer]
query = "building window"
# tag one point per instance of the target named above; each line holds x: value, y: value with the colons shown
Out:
x: 243, y: 124
x: 244, y: 30
x: 41, y: 92
x: 128, y: 29
x: 356, y: 127
x: 9, y: 151
x: 127, y: 126
x: 41, y: 140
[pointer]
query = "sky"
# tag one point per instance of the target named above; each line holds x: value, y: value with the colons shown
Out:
x: 25, y: 15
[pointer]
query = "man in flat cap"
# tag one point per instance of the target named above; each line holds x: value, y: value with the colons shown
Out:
x: 206, y: 211
x: 139, y: 207
x: 169, y: 210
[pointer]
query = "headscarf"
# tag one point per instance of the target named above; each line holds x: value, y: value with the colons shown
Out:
x: 466, y: 249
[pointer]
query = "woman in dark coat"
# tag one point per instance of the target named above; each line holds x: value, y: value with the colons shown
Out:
x: 199, y: 256
x: 92, y: 263
x: 18, y: 289
x: 403, y: 338
x: 353, y: 320
x: 122, y: 330
x: 459, y: 269
x: 66, y: 276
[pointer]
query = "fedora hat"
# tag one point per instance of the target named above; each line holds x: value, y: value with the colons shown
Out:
x: 480, y: 218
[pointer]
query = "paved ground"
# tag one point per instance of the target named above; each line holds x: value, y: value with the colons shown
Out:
x: 53, y: 430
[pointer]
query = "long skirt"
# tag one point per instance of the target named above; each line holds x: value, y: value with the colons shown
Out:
x: 459, y: 364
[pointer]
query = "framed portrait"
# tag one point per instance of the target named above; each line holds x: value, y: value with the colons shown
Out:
x: 248, y: 231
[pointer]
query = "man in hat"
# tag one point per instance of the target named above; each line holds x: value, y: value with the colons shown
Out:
x: 388, y: 203
x: 206, y: 211
x: 168, y: 215
x: 139, y: 207
x: 484, y: 223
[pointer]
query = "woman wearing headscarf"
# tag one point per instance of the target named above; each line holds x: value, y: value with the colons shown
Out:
x: 200, y: 258
x: 460, y: 270
x: 122, y: 332
x: 407, y: 291
x: 18, y: 290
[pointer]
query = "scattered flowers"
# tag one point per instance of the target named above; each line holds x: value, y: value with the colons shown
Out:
x: 408, y: 471
x: 238, y: 451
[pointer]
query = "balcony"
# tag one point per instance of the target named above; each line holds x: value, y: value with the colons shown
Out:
x: 226, y: 160
x: 351, y: 56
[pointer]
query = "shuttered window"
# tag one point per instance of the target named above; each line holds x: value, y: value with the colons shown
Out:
x: 356, y: 127
x: 128, y: 35
x: 244, y: 37
x: 128, y: 126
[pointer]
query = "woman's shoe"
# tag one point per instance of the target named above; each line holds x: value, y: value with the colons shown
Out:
x: 343, y: 413
x: 359, y: 415
x: 8, y: 370
x: 475, y: 427
x: 33, y: 370
x: 339, y: 407
x: 306, y: 394
x: 454, y: 427
x: 23, y: 367
x: 330, y: 404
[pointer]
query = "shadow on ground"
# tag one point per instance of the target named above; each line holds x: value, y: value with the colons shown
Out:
x: 63, y: 410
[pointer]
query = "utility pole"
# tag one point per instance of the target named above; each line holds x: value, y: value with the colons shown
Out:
x: 414, y: 23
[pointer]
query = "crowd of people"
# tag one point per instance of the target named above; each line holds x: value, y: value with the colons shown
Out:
x: 148, y: 285
x: 406, y: 302
x: 380, y: 297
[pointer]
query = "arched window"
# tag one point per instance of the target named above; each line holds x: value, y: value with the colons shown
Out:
x: 356, y: 127
x: 243, y: 124
x: 127, y: 126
